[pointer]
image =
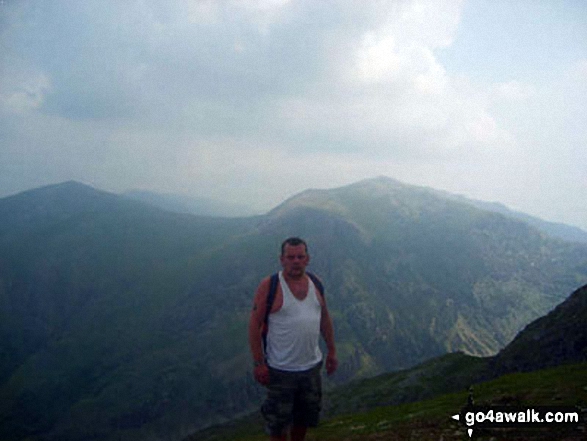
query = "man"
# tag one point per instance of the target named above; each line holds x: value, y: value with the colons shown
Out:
x: 290, y: 368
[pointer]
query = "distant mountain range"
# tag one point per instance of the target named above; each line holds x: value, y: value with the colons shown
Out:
x: 179, y: 203
x: 121, y: 320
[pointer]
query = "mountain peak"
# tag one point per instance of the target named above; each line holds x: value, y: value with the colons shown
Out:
x: 335, y: 199
x: 69, y: 184
x: 376, y: 206
x: 54, y: 201
x: 381, y: 180
x: 62, y: 188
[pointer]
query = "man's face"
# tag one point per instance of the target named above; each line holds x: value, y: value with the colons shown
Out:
x: 294, y: 260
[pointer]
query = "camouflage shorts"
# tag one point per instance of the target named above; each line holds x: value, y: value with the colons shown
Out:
x: 293, y: 397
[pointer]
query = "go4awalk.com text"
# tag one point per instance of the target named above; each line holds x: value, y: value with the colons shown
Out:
x: 483, y: 417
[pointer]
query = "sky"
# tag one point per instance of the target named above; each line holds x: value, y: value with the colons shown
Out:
x: 253, y: 101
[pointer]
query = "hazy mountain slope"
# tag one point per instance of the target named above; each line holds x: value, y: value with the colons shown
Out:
x: 121, y: 320
x: 67, y: 246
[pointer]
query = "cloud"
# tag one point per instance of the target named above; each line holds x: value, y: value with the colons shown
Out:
x: 579, y: 71
x: 514, y: 90
x: 23, y: 93
x: 352, y: 76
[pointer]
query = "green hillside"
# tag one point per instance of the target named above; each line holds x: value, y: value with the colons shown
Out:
x: 122, y: 321
x: 430, y: 420
x: 555, y: 339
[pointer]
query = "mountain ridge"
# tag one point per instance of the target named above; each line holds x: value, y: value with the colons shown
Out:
x: 186, y: 205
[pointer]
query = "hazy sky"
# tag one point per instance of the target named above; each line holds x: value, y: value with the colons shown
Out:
x: 256, y: 100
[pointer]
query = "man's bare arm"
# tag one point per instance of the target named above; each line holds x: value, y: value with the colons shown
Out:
x: 327, y: 331
x: 256, y: 323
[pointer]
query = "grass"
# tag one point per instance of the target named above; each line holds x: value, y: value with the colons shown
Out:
x: 431, y: 419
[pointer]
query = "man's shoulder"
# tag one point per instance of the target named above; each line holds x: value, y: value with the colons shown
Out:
x: 265, y: 284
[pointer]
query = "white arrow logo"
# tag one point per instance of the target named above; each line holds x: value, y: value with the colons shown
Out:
x: 457, y: 417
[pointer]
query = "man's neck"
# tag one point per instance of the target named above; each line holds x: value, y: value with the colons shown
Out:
x: 294, y: 278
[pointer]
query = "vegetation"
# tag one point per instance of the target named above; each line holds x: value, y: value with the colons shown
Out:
x: 431, y: 419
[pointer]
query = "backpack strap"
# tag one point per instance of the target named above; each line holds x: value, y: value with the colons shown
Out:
x: 316, y: 282
x: 273, y: 282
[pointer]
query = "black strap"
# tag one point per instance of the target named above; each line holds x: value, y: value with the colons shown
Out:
x: 316, y: 282
x: 271, y: 296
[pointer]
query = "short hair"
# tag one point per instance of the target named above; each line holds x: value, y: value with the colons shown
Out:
x: 294, y: 242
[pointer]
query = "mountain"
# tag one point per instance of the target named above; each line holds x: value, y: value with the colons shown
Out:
x: 101, y: 317
x: 120, y: 320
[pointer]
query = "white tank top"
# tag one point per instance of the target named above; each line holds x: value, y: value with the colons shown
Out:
x: 294, y: 331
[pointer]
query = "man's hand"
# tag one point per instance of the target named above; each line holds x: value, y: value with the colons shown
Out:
x: 262, y: 374
x: 331, y: 363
